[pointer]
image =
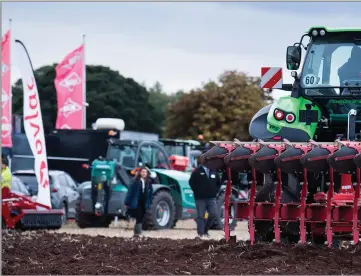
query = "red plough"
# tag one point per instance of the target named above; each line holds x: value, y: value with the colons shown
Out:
x: 19, y: 212
x: 325, y: 216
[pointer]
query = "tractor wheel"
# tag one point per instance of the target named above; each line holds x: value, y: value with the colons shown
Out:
x: 232, y: 222
x: 100, y: 221
x: 81, y: 219
x: 161, y: 214
x: 264, y: 229
x: 174, y: 223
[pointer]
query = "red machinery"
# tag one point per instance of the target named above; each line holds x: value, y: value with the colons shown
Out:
x: 329, y: 215
x: 178, y: 163
x: 20, y: 212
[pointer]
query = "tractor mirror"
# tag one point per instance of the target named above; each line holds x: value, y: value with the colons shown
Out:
x: 293, y: 58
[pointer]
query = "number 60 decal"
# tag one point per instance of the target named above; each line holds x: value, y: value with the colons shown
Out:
x: 309, y: 80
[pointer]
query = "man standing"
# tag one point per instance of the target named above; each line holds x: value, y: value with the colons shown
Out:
x: 205, y: 185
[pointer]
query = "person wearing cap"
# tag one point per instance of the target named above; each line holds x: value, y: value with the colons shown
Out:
x: 205, y: 185
x: 5, y: 175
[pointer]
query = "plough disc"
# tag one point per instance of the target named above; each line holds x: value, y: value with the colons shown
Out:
x: 237, y: 160
x: 342, y: 160
x: 263, y: 160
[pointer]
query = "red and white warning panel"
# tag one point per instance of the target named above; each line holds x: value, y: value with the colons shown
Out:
x: 243, y: 195
x: 271, y: 77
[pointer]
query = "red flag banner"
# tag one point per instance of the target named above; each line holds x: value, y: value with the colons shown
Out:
x: 69, y: 84
x: 6, y: 124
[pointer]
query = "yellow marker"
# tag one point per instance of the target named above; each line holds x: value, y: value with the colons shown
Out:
x: 99, y: 186
x: 206, y: 215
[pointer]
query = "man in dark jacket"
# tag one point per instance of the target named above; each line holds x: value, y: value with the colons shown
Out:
x: 205, y: 185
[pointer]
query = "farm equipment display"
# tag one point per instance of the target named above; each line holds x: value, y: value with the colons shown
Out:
x: 307, y: 148
x: 20, y: 212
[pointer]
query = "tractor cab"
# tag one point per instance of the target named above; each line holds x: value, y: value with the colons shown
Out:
x: 332, y: 65
x: 131, y: 154
x: 327, y: 86
x: 330, y: 77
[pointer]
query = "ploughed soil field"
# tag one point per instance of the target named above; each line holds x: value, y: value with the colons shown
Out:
x: 31, y: 253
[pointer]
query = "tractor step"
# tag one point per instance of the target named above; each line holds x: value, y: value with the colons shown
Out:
x: 41, y: 219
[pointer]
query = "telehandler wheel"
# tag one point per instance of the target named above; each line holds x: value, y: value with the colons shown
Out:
x: 100, y: 221
x: 81, y: 219
x: 162, y: 213
x: 265, y: 229
x: 90, y: 220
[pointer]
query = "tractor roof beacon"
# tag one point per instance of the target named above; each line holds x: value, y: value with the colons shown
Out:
x: 310, y: 137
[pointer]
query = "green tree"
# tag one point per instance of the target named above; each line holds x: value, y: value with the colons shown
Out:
x: 160, y: 101
x: 109, y: 94
x: 219, y: 110
x: 181, y: 115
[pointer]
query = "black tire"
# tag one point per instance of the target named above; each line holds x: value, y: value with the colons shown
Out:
x: 220, y: 204
x: 81, y: 219
x: 265, y: 229
x: 100, y: 221
x: 174, y: 223
x: 89, y: 220
x: 150, y: 220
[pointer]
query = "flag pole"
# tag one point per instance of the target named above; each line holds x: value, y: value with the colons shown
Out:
x: 10, y: 89
x: 84, y: 85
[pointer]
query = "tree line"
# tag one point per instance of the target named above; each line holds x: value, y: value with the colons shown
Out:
x: 219, y: 109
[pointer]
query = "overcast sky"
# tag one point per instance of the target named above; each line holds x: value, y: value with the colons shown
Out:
x: 179, y: 44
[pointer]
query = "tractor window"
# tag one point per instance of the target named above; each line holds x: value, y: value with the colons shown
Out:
x: 153, y: 157
x: 331, y: 67
x: 175, y: 150
x: 161, y: 160
x: 145, y: 156
x: 123, y: 154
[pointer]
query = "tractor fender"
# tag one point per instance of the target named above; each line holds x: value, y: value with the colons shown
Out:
x: 157, y: 187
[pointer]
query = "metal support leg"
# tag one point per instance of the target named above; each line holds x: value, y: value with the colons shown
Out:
x: 226, y: 205
x: 277, y: 207
x: 251, y: 206
x: 329, y: 210
x: 355, y: 227
x: 303, y: 207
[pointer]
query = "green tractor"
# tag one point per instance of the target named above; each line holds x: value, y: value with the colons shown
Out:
x: 310, y: 137
x: 102, y: 198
